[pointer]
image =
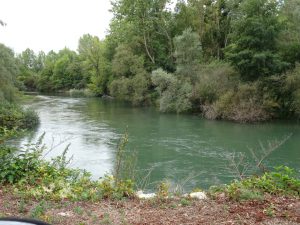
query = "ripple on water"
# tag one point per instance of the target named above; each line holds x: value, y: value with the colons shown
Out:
x: 176, y: 146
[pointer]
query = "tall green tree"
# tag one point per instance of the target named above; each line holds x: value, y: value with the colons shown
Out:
x: 92, y: 54
x: 188, y: 54
x: 210, y: 19
x: 150, y: 23
x: 30, y: 66
x: 289, y: 40
x: 8, y: 73
x: 253, y: 51
x: 67, y: 73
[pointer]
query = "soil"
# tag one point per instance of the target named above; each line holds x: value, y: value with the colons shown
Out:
x: 273, y: 210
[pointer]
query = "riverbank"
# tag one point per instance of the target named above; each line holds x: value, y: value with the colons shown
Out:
x: 273, y: 210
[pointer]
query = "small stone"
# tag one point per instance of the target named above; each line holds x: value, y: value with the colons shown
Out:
x: 65, y: 214
x: 198, y: 195
x: 141, y: 195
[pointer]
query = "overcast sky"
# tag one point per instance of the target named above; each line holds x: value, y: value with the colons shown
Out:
x: 51, y: 24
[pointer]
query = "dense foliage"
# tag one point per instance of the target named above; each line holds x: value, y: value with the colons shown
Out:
x: 281, y: 181
x: 12, y: 115
x: 226, y: 59
x: 33, y: 177
x: 8, y: 73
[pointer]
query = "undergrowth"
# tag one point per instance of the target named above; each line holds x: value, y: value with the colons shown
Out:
x: 13, y: 116
x: 30, y: 176
x: 281, y: 181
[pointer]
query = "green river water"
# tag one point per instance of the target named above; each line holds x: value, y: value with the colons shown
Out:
x: 184, y: 149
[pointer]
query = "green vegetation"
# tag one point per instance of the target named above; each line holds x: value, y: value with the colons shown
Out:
x: 8, y: 73
x: 12, y: 115
x: 23, y: 169
x: 282, y: 181
x: 224, y: 59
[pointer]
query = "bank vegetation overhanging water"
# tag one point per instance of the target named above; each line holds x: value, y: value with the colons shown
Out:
x: 224, y: 59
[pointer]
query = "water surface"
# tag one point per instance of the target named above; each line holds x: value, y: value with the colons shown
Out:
x: 184, y: 149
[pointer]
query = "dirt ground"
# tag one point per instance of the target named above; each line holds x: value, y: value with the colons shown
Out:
x: 273, y: 210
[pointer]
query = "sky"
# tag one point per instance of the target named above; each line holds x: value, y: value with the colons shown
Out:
x: 51, y: 24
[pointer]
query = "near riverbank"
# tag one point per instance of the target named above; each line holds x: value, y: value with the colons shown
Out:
x: 272, y: 210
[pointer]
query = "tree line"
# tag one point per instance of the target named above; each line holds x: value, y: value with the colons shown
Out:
x: 226, y: 59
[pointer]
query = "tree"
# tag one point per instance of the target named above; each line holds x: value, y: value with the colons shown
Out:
x: 8, y: 73
x: 30, y: 66
x: 67, y: 73
x: 62, y: 71
x: 253, y: 51
x: 289, y: 40
x: 210, y: 19
x: 91, y: 51
x: 126, y: 63
x: 175, y: 95
x: 131, y: 81
x: 187, y: 53
x: 45, y: 83
x: 149, y: 22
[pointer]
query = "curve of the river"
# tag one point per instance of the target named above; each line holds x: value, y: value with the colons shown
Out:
x: 184, y: 149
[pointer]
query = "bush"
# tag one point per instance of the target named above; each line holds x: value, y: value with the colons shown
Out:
x: 292, y: 87
x: 242, y: 105
x: 175, y: 95
x: 140, y: 87
x: 13, y: 116
x: 33, y: 177
x: 214, y: 80
x: 282, y: 181
x: 134, y: 89
x: 121, y: 88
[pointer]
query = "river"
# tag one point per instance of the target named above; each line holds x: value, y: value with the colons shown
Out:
x: 186, y: 150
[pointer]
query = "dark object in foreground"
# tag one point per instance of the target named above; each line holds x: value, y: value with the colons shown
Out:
x: 18, y: 221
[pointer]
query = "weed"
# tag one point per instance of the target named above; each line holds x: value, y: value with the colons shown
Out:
x: 163, y: 189
x: 106, y: 219
x: 173, y: 206
x: 78, y: 210
x: 270, y: 211
x: 22, y: 206
x: 185, y: 202
x: 39, y: 210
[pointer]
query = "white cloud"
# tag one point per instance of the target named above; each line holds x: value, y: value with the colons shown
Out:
x: 51, y: 24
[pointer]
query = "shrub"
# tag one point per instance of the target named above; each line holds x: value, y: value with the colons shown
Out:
x: 175, y: 95
x: 134, y: 89
x: 242, y: 105
x: 33, y: 177
x: 282, y: 181
x: 121, y: 88
x: 12, y: 116
x: 140, y: 87
x: 292, y: 86
x: 213, y: 80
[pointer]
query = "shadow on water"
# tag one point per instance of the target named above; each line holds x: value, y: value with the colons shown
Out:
x: 174, y: 146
